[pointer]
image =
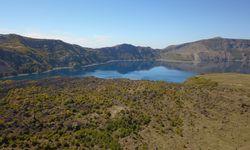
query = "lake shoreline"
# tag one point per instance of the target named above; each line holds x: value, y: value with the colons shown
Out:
x: 96, y: 64
x: 90, y: 65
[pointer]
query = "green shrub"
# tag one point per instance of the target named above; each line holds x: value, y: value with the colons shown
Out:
x: 92, y: 137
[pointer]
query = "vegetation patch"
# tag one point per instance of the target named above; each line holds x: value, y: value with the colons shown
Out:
x: 91, y: 113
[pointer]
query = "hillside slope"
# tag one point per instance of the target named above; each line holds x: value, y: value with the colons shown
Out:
x: 27, y: 55
x: 205, y: 112
x: 20, y: 54
x: 215, y: 49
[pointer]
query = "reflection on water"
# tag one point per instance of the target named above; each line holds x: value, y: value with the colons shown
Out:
x: 155, y: 73
x: 141, y: 70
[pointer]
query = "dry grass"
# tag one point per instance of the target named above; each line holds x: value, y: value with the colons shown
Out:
x: 233, y: 80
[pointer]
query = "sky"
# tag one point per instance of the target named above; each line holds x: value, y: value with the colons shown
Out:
x: 101, y: 23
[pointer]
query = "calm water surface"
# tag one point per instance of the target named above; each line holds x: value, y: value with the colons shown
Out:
x: 141, y: 70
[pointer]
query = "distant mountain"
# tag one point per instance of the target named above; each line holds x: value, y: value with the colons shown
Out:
x: 126, y: 52
x: 20, y: 54
x: 215, y: 49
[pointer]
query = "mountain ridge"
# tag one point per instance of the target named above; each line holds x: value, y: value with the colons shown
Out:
x: 19, y: 54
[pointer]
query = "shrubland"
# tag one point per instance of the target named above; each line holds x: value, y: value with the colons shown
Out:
x: 90, y: 113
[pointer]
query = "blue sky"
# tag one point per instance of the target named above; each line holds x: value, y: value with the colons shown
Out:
x: 99, y: 23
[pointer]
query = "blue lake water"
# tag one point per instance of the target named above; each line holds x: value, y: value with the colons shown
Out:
x: 155, y: 73
x: 140, y: 70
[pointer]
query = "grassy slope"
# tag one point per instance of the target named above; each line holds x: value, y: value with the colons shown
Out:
x: 237, y: 81
x: 206, y: 112
x: 226, y: 109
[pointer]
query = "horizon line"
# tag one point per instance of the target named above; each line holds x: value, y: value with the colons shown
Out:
x: 114, y: 45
